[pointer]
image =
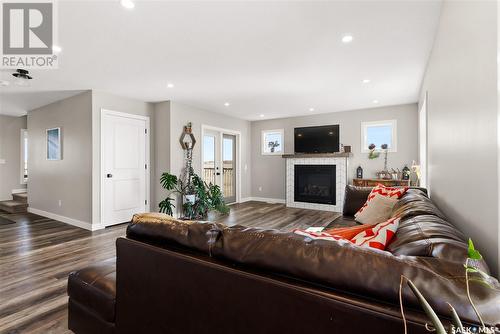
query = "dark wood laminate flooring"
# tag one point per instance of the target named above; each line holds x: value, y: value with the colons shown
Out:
x: 37, y: 254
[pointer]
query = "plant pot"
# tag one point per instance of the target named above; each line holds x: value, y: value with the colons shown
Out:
x: 189, y: 199
x: 213, y: 215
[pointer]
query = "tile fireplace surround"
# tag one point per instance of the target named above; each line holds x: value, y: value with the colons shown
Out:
x: 339, y: 160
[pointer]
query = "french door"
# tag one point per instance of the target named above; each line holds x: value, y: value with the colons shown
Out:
x: 219, y: 162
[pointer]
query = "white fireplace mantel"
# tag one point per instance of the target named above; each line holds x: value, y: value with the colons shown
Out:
x: 341, y: 163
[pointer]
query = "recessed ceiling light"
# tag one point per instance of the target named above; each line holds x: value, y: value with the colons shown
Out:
x: 311, y: 109
x: 4, y: 83
x: 365, y: 81
x: 347, y: 39
x: 227, y: 104
x: 56, y: 48
x: 375, y: 101
x: 129, y: 4
x: 170, y: 85
x: 261, y: 115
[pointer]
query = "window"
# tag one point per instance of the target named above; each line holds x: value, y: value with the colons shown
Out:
x: 24, y: 156
x: 379, y: 133
x: 273, y: 142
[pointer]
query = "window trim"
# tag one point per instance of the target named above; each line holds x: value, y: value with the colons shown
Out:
x: 263, y: 140
x: 365, y: 125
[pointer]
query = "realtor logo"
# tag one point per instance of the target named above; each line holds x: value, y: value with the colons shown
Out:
x: 28, y: 35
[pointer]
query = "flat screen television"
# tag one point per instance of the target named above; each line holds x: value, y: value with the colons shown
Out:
x: 317, y: 139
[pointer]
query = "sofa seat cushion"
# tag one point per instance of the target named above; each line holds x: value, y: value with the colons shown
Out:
x: 343, y: 221
x: 94, y: 288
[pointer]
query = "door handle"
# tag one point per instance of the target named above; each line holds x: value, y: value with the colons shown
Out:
x: 109, y: 175
x: 217, y: 173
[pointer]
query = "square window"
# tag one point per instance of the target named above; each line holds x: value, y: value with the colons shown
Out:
x: 379, y: 133
x: 273, y: 142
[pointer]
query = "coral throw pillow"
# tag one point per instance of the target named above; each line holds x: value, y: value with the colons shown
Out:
x: 377, y: 210
x: 378, y: 236
x: 391, y: 192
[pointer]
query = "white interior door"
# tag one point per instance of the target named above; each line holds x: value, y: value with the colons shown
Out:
x: 124, y: 167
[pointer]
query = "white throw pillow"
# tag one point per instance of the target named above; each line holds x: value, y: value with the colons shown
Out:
x: 378, y: 210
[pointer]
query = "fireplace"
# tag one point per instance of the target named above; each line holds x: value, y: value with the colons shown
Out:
x: 315, y: 184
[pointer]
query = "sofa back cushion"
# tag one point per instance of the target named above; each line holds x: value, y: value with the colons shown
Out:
x: 364, y: 271
x: 168, y: 232
x: 337, y: 264
x: 354, y: 199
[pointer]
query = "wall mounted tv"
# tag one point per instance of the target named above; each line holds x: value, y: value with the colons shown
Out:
x: 317, y: 139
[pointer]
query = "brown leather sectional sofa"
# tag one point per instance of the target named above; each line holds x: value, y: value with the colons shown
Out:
x: 208, y: 278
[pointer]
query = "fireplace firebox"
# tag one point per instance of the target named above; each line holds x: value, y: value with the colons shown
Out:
x: 315, y: 184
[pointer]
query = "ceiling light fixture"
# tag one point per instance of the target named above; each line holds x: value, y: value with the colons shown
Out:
x: 261, y: 115
x: 56, y: 48
x: 375, y: 101
x: 365, y: 81
x: 311, y: 109
x: 129, y: 4
x: 22, y: 77
x: 347, y: 39
x: 227, y: 104
x: 170, y: 85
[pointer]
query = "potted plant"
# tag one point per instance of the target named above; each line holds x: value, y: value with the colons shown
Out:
x: 272, y: 145
x: 200, y: 200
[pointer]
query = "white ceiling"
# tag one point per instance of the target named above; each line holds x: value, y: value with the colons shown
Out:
x: 273, y: 58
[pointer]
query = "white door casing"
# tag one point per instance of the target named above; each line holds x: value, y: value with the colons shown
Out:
x: 124, y: 166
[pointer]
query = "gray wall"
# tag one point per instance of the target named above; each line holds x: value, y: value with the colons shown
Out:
x: 69, y: 179
x: 268, y: 171
x: 181, y: 114
x: 101, y: 100
x: 161, y: 148
x: 461, y: 81
x: 10, y: 151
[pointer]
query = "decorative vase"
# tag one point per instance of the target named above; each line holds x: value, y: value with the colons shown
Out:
x: 213, y: 215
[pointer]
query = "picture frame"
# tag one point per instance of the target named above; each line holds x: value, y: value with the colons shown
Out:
x: 273, y: 142
x: 53, y: 147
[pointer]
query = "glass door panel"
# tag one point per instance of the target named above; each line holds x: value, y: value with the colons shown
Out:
x: 209, y: 158
x: 229, y: 168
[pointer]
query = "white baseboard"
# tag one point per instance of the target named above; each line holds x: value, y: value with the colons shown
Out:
x: 263, y: 199
x: 67, y: 220
x: 19, y: 191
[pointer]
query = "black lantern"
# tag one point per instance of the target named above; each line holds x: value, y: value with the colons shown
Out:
x: 359, y: 172
x: 406, y: 173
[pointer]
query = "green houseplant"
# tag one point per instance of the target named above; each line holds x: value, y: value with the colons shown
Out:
x: 457, y: 326
x: 208, y: 198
